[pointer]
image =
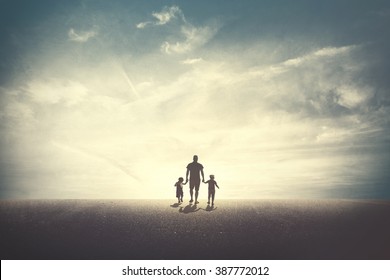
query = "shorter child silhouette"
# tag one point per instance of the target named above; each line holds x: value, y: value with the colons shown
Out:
x: 212, y: 184
x: 179, y: 189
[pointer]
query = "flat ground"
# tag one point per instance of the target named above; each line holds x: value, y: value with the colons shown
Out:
x: 160, y: 229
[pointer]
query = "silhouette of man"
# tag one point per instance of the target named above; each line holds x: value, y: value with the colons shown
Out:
x: 194, y: 169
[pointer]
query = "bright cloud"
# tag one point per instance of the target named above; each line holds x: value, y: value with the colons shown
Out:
x: 142, y: 25
x: 192, y: 60
x: 81, y: 37
x: 188, y: 38
x: 166, y: 15
x: 221, y: 110
x: 313, y: 57
x: 57, y: 91
x: 193, y: 38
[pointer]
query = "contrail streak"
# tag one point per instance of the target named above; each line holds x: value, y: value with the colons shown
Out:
x: 131, y: 85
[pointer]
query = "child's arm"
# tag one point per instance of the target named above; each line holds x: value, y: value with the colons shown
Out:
x: 216, y: 185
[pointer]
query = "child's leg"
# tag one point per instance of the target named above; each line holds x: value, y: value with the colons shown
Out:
x: 213, y: 195
x: 209, y: 194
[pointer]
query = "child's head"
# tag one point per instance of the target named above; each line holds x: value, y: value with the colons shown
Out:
x: 181, y: 179
x: 211, y: 176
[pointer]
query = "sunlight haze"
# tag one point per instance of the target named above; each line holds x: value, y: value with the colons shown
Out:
x: 112, y: 99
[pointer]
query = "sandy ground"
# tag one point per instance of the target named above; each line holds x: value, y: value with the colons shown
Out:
x: 161, y: 229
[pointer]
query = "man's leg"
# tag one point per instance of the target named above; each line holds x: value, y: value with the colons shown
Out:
x: 192, y: 185
x: 197, y: 184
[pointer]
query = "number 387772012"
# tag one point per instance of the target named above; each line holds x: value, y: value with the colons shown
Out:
x: 241, y: 270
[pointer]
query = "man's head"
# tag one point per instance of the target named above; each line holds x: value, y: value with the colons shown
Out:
x: 195, y: 158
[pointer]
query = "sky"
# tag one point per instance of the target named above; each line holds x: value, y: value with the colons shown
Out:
x: 111, y: 99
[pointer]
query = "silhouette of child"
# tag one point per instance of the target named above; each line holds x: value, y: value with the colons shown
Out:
x: 179, y: 189
x: 212, y: 184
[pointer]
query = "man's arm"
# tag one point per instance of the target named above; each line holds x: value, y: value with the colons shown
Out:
x: 201, y: 172
x: 188, y: 172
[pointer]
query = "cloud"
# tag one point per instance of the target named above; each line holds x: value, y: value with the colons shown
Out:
x: 185, y: 36
x: 56, y: 91
x: 166, y: 15
x: 190, y: 61
x: 220, y: 108
x: 351, y: 96
x: 318, y: 54
x: 81, y: 37
x: 142, y: 25
x: 332, y: 51
x: 322, y: 86
x: 194, y: 37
